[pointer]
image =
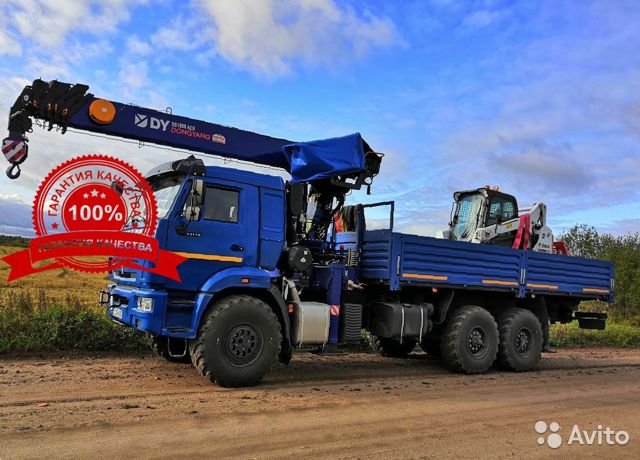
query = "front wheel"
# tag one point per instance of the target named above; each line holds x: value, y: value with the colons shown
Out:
x: 238, y: 341
x: 469, y: 340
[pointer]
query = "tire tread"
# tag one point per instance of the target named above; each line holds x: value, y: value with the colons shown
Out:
x: 451, y: 354
x: 198, y: 345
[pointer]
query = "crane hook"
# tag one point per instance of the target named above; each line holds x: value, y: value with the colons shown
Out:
x: 16, y: 151
x: 10, y: 171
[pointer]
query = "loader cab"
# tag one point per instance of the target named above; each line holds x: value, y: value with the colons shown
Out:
x: 479, y: 208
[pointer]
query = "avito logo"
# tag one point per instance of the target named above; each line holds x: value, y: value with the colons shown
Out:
x: 599, y: 437
x: 146, y: 121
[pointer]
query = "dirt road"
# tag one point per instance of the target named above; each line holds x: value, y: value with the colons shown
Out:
x: 348, y: 406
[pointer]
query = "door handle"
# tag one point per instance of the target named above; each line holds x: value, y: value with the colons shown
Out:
x: 236, y: 247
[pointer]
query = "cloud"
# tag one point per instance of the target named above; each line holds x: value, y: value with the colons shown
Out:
x: 15, y: 216
x: 183, y: 34
x: 544, y: 168
x: 10, y: 89
x: 270, y: 37
x: 134, y: 74
x: 137, y: 46
x: 48, y: 22
x: 483, y: 18
x: 8, y: 44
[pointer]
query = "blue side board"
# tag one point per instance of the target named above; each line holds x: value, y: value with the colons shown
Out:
x: 409, y: 259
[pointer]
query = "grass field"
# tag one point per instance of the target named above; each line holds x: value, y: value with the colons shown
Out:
x: 58, y: 310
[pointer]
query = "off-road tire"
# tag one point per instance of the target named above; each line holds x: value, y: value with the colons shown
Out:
x: 159, y: 346
x: 392, y: 348
x: 521, y: 340
x: 469, y: 341
x: 232, y: 326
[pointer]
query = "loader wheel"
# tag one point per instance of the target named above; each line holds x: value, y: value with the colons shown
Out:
x: 159, y: 345
x: 521, y: 340
x: 469, y: 340
x: 392, y: 348
x: 237, y: 343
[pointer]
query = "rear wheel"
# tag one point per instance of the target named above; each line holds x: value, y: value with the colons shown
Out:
x: 469, y: 340
x: 392, y: 348
x: 238, y: 341
x: 521, y: 340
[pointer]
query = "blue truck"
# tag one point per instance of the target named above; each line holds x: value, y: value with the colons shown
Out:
x: 274, y: 265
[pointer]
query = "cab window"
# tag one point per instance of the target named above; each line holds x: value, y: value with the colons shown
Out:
x: 500, y: 210
x: 221, y: 205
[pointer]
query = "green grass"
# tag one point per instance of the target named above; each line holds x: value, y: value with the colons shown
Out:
x: 58, y: 310
x: 57, y: 328
x: 616, y: 334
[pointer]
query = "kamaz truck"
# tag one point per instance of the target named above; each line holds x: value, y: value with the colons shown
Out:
x: 273, y: 266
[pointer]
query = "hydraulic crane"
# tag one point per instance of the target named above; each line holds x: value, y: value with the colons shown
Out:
x: 63, y: 105
x: 330, y: 173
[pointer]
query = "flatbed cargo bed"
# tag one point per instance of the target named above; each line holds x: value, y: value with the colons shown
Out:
x: 401, y: 259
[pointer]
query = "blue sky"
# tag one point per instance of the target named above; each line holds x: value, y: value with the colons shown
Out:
x: 540, y: 98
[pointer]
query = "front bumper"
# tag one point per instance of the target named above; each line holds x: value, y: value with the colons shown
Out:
x: 121, y: 303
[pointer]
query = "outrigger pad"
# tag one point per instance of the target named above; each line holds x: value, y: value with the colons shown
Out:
x: 327, y: 158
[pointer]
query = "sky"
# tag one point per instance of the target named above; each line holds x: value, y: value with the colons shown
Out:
x: 541, y: 98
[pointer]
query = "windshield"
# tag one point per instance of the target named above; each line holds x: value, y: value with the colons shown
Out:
x: 165, y: 188
x: 467, y: 221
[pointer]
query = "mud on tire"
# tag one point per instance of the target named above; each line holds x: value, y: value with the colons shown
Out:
x: 521, y: 340
x: 469, y: 341
x: 238, y: 341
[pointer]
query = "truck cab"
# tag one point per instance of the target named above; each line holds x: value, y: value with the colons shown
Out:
x: 228, y: 224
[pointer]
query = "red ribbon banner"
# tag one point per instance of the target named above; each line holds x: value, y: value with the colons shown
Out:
x: 123, y: 246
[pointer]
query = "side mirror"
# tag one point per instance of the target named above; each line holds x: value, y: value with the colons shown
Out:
x: 195, y: 200
x: 193, y: 206
x: 197, y: 192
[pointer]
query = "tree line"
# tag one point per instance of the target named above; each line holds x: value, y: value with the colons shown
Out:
x: 624, y: 252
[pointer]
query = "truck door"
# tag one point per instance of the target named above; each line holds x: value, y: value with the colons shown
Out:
x: 225, y: 234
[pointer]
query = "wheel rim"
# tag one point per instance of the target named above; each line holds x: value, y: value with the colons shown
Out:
x: 477, y: 342
x: 523, y: 340
x: 242, y: 345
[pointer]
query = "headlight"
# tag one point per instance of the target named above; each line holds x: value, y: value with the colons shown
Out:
x: 145, y: 304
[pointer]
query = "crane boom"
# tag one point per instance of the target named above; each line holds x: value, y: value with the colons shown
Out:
x: 344, y: 163
x: 65, y: 105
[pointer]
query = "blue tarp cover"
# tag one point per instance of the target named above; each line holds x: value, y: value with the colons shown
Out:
x: 325, y: 158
